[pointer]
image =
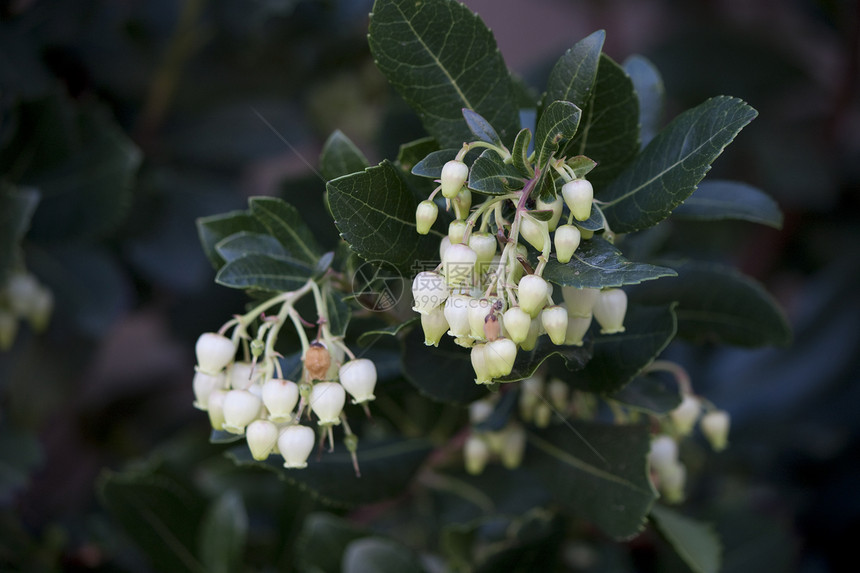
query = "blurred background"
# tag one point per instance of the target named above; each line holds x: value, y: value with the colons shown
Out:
x: 133, y: 119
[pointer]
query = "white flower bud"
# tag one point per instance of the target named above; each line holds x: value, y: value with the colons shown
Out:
x: 558, y: 393
x: 579, y: 301
x: 215, y: 408
x: 240, y: 409
x: 214, y: 352
x: 425, y: 216
x: 443, y: 246
x: 21, y: 289
x: 358, y: 377
x: 480, y: 410
x: 532, y: 292
x: 280, y: 398
x: 531, y: 339
x: 517, y: 323
x: 578, y: 195
x: 242, y: 375
x: 8, y: 329
x: 204, y: 384
x: 296, y: 443
x: 479, y: 308
x: 261, y: 435
x: 458, y: 264
x: 533, y: 231
x: 664, y: 452
x: 480, y: 364
x: 484, y: 245
x: 327, y: 400
x: 556, y: 206
x: 454, y: 175
x: 554, y: 320
x: 609, y: 310
x: 428, y: 291
x: 476, y: 454
x: 567, y: 239
x: 457, y: 314
x: 715, y: 426
x: 501, y: 354
x: 576, y: 328
x: 434, y: 325
x: 456, y: 231
x: 513, y: 446
x: 686, y: 414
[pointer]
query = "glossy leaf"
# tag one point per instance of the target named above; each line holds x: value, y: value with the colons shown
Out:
x: 340, y: 157
x: 375, y: 213
x: 444, y: 374
x: 520, y: 154
x: 597, y: 263
x: 223, y: 534
x: 581, y: 165
x: 431, y: 165
x: 669, y: 168
x: 619, y: 358
x: 264, y: 273
x: 716, y: 200
x: 650, y: 94
x: 441, y: 58
x: 573, y: 76
x: 379, y: 555
x: 16, y: 208
x: 594, y: 222
x: 370, y: 336
x: 609, y: 130
x: 244, y: 243
x: 719, y: 304
x: 323, y: 540
x: 598, y: 471
x: 339, y: 312
x: 411, y: 153
x: 654, y: 393
x: 575, y: 357
x: 285, y: 223
x: 556, y: 126
x: 481, y: 128
x: 695, y: 542
x: 492, y: 176
x: 216, y: 228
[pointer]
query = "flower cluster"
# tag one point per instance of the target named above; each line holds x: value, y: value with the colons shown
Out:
x: 23, y: 298
x: 252, y: 397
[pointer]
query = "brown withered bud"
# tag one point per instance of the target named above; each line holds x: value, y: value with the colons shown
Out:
x: 317, y: 361
x: 491, y: 326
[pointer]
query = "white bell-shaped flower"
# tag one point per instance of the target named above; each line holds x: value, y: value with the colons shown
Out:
x: 567, y: 239
x: 280, y: 398
x: 458, y: 264
x: 578, y: 194
x: 672, y: 480
x: 358, y: 377
x: 479, y: 364
x: 214, y: 352
x: 240, y: 409
x: 533, y: 231
x: 476, y: 454
x: 501, y: 354
x: 215, y: 408
x: 464, y: 199
x: 577, y: 326
x: 517, y: 323
x: 531, y: 338
x: 484, y: 245
x: 425, y: 216
x: 513, y: 446
x: 243, y: 375
x: 554, y: 320
x: 434, y: 325
x: 327, y: 400
x: 443, y: 246
x: 556, y: 206
x: 579, y: 301
x: 454, y: 175
x: 715, y: 426
x: 295, y: 444
x: 428, y: 291
x: 609, y: 310
x: 686, y: 414
x: 479, y: 308
x: 203, y: 385
x: 457, y: 314
x: 532, y: 292
x: 262, y: 436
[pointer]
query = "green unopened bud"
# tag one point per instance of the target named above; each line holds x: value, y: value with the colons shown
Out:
x: 533, y: 231
x: 350, y: 441
x: 715, y: 426
x: 672, y: 481
x: 257, y: 347
x: 484, y: 245
x: 556, y: 206
x: 609, y: 310
x: 425, y: 216
x: 454, y: 175
x: 554, y: 320
x: 567, y: 239
x: 517, y: 323
x: 578, y: 195
x: 456, y: 231
x: 464, y: 199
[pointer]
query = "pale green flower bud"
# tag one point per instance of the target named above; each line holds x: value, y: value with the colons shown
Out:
x: 464, y: 198
x: 533, y: 231
x: 558, y: 392
x: 556, y: 206
x: 532, y: 337
x: 425, y: 216
x: 480, y: 364
x: 434, y: 325
x: 543, y: 415
x: 484, y: 245
x: 457, y: 231
x: 454, y: 176
x: 532, y: 293
x: 567, y: 239
x: 578, y: 195
x: 517, y: 323
x: 554, y: 320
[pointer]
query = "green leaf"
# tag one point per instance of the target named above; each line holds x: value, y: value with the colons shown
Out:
x: 378, y: 555
x: 597, y: 263
x: 481, y: 128
x: 695, y: 542
x: 411, y: 153
x: 323, y: 540
x: 669, y: 168
x: 557, y: 125
x: 223, y: 534
x: 581, y: 165
x: 619, y: 358
x: 716, y: 200
x: 441, y: 58
x: 244, y: 243
x: 598, y: 471
x: 575, y: 357
x: 520, y: 154
x: 594, y: 222
x: 216, y: 228
x: 650, y: 93
x: 492, y: 176
x: 286, y: 224
x: 375, y: 213
x: 339, y: 312
x: 444, y: 374
x: 16, y: 208
x: 431, y: 165
x: 572, y: 78
x: 368, y: 337
x: 650, y: 393
x: 609, y: 130
x: 718, y: 303
x: 341, y: 157
x: 264, y: 272
x: 387, y: 467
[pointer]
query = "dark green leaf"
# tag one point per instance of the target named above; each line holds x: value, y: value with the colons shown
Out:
x: 431, y: 165
x: 609, y: 130
x: 375, y: 213
x: 651, y: 393
x: 520, y: 154
x: 598, y: 471
x: 387, y: 467
x: 286, y: 224
x: 572, y: 78
x: 481, y: 128
x: 557, y: 125
x: 618, y: 358
x: 414, y: 151
x: 716, y: 200
x: 223, y: 533
x: 695, y: 542
x: 20, y: 454
x: 492, y: 176
x: 216, y: 228
x: 575, y: 357
x: 581, y: 165
x: 222, y: 437
x: 16, y: 209
x: 718, y: 303
x: 338, y: 311
x: 543, y: 215
x: 594, y: 222
x: 378, y: 555
x: 669, y: 168
x: 441, y: 58
x: 444, y: 374
x: 597, y: 263
x: 323, y: 540
x: 369, y: 336
x: 341, y: 157
x: 264, y: 273
x: 244, y: 243
x: 650, y: 93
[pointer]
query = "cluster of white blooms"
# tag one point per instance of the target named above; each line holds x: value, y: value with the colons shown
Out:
x: 507, y: 445
x: 252, y: 397
x: 23, y: 297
